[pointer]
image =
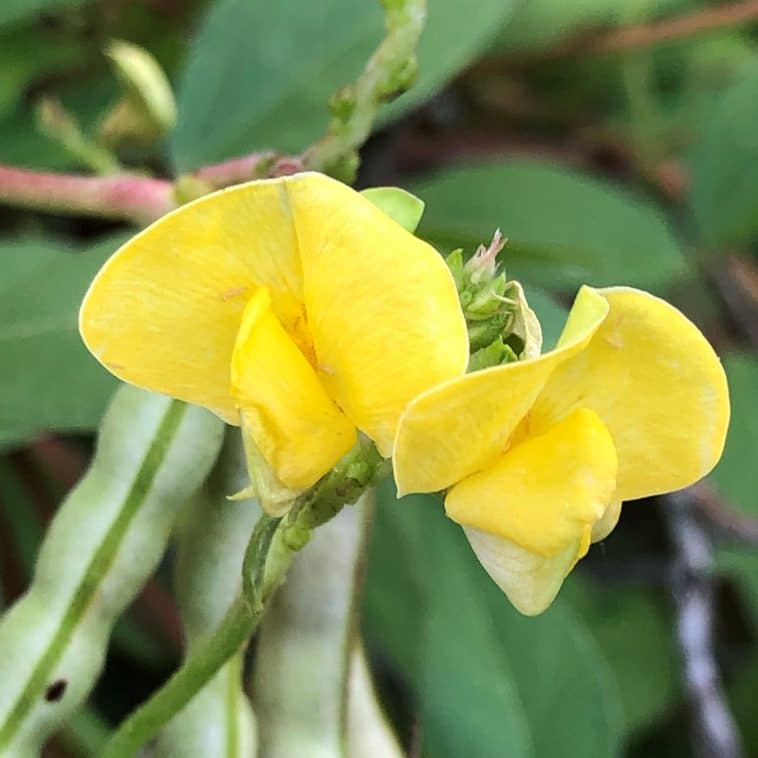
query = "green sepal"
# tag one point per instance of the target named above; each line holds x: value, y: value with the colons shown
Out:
x: 275, y: 498
x: 495, y: 354
x: 398, y: 204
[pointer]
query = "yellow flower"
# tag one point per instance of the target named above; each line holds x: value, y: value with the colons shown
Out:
x: 538, y: 455
x: 291, y: 306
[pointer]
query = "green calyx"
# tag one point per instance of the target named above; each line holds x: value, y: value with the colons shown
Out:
x: 501, y: 326
x: 361, y: 468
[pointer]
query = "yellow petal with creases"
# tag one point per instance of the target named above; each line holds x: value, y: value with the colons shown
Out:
x: 382, y: 307
x: 295, y: 425
x: 530, y: 581
x: 163, y: 312
x: 546, y: 492
x: 659, y: 387
x: 463, y: 425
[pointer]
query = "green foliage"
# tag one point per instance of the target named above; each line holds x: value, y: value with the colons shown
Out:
x: 633, y: 631
x: 563, y: 227
x: 48, y: 380
x: 455, y: 33
x: 539, y: 23
x: 283, y: 61
x: 18, y: 70
x: 280, y: 64
x: 724, y: 194
x: 13, y: 11
x: 735, y: 474
x: 487, y: 681
x: 666, y: 141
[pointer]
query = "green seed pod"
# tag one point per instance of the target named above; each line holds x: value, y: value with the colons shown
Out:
x: 313, y: 692
x: 152, y: 455
x: 212, y: 540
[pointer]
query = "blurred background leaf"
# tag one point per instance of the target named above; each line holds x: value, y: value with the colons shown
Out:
x: 724, y: 194
x: 48, y: 380
x: 563, y: 227
x: 13, y: 11
x: 282, y: 62
x: 486, y: 680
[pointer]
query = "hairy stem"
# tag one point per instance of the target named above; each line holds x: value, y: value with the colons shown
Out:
x: 388, y: 73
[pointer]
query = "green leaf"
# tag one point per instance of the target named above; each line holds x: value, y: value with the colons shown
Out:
x: 488, y: 681
x: 259, y: 75
x: 633, y: 632
x: 735, y: 474
x: 21, y: 144
x: 539, y: 23
x: 564, y: 227
x: 48, y: 380
x: 18, y: 68
x: 724, y: 194
x: 13, y: 11
x: 551, y: 314
x: 741, y: 564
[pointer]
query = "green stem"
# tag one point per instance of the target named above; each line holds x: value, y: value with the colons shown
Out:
x: 388, y: 73
x: 202, y: 664
x: 268, y: 556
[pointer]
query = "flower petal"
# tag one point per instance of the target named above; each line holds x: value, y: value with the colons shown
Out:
x: 382, y: 307
x: 546, y: 492
x: 295, y: 425
x: 607, y: 522
x: 659, y: 387
x: 530, y: 581
x: 163, y: 312
x: 463, y: 425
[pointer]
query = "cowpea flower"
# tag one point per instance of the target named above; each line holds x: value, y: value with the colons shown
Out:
x: 538, y: 455
x: 293, y: 307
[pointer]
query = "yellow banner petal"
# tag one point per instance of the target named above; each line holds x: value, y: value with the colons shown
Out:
x: 463, y: 425
x: 659, y: 387
x: 545, y: 493
x: 530, y: 581
x: 382, y: 307
x: 294, y: 424
x: 163, y: 312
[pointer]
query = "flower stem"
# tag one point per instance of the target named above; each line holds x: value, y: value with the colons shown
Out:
x: 207, y: 658
x: 271, y: 549
x: 388, y: 73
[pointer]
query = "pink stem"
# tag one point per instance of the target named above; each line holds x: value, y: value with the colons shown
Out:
x: 128, y: 197
x: 138, y: 199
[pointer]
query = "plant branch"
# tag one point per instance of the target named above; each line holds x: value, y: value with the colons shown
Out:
x: 141, y: 200
x: 722, y: 515
x: 137, y: 199
x: 636, y: 36
x: 131, y: 197
x: 715, y: 731
x: 388, y: 73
